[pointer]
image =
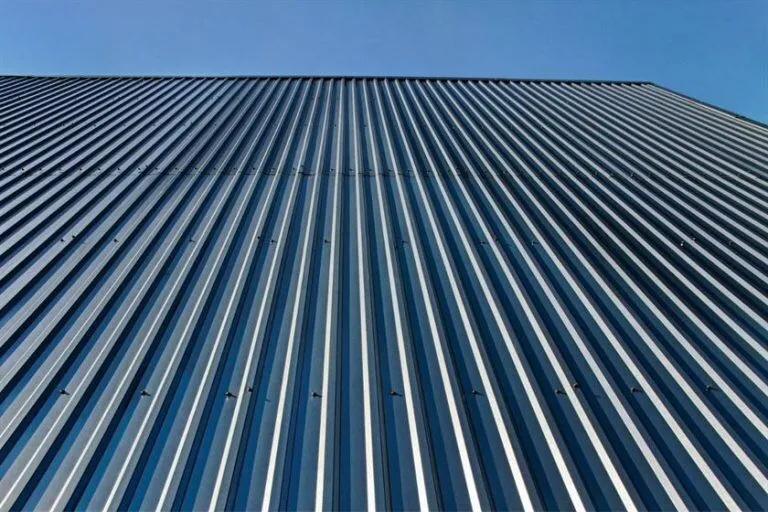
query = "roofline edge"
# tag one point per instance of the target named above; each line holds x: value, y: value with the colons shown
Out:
x: 398, y: 77
x: 339, y: 77
x: 710, y: 105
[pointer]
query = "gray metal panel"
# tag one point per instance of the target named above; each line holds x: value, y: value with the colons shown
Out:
x: 357, y: 293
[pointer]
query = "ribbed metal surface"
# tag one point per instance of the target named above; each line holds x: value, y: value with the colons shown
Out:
x: 351, y: 293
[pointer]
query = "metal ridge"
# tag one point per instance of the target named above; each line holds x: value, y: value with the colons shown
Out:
x: 338, y: 77
x: 457, y: 78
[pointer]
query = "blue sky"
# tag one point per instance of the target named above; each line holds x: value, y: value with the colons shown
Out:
x: 716, y: 51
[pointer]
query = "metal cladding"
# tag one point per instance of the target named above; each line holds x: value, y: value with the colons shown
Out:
x: 380, y: 293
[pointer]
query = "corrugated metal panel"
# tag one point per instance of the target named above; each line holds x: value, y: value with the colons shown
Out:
x: 351, y: 293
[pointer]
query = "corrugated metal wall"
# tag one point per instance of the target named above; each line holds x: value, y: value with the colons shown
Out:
x: 380, y: 293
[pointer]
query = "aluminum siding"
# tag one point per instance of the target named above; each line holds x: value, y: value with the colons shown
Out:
x: 348, y: 293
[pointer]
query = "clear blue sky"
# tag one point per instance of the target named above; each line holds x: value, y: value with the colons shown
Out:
x: 716, y: 51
